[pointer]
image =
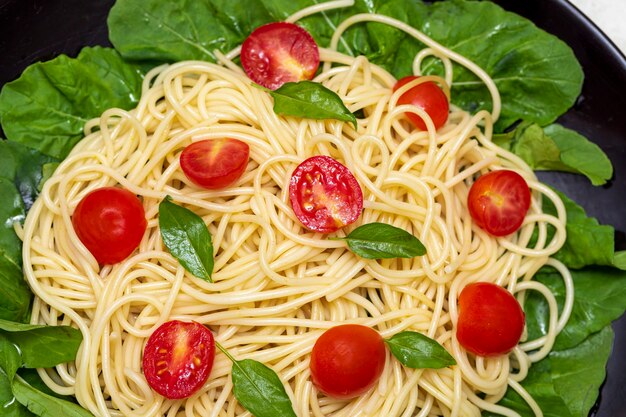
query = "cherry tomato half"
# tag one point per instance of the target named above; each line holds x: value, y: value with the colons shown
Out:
x: 498, y: 202
x: 215, y: 163
x: 324, y: 194
x: 347, y: 360
x: 178, y: 358
x: 110, y: 222
x: 490, y: 321
x: 280, y: 52
x: 429, y: 97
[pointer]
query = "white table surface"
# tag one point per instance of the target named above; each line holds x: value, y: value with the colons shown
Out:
x: 609, y: 16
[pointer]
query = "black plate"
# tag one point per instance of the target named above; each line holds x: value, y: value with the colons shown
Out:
x: 33, y: 30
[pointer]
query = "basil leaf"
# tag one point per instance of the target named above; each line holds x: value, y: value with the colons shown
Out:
x: 619, y: 260
x: 10, y: 359
x: 259, y: 390
x: 47, y: 107
x: 383, y: 241
x: 310, y: 100
x: 14, y: 292
x: 418, y: 351
x: 45, y: 405
x: 187, y: 238
x: 43, y: 346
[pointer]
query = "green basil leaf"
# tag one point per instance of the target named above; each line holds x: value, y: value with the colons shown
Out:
x: 383, y: 241
x: 310, y: 100
x: 45, y: 405
x: 418, y: 351
x: 10, y: 359
x: 187, y: 238
x: 15, y: 294
x: 259, y: 390
x: 43, y: 346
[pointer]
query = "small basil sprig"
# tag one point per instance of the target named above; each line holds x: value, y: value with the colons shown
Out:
x: 187, y: 238
x: 310, y: 100
x: 383, y: 241
x: 415, y: 350
x: 258, y: 388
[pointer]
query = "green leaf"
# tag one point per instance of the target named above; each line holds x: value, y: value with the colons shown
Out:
x: 600, y: 298
x: 619, y: 260
x: 11, y: 211
x: 45, y: 405
x: 259, y: 390
x: 556, y: 148
x: 519, y: 57
x: 416, y: 350
x: 15, y: 294
x: 566, y: 383
x: 43, y: 346
x: 23, y: 166
x: 382, y: 241
x: 588, y: 242
x: 310, y: 100
x: 187, y: 238
x: 10, y: 358
x: 9, y: 405
x: 169, y: 31
x: 47, y: 107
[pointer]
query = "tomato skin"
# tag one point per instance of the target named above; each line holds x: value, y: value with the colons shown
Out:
x: 427, y: 96
x: 347, y: 360
x: 178, y: 358
x: 324, y: 194
x: 491, y: 321
x: 279, y: 52
x: 215, y: 163
x: 110, y: 222
x: 498, y: 202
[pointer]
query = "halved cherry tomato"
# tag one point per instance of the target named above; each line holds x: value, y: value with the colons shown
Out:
x: 427, y: 96
x: 280, y: 52
x: 490, y: 321
x: 347, y: 360
x: 215, y: 163
x: 498, y: 202
x: 178, y: 358
x: 110, y: 222
x: 324, y: 194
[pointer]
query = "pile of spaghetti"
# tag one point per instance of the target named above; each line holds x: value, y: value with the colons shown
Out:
x: 277, y: 286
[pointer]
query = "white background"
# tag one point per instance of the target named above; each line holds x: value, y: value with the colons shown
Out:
x: 609, y: 15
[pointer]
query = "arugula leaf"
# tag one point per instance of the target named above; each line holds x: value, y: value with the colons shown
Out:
x: 383, y: 241
x: 187, y: 238
x: 559, y: 149
x: 416, y: 350
x: 47, y: 107
x: 43, y: 346
x: 310, y: 100
x: 45, y: 405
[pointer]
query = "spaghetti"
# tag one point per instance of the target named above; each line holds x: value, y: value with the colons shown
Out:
x: 277, y: 287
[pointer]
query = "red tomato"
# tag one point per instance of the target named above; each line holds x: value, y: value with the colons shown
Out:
x: 324, y: 194
x: 347, y: 360
x: 215, y: 163
x: 110, y: 222
x: 427, y: 96
x: 490, y: 321
x: 178, y: 358
x: 277, y: 53
x: 498, y: 202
